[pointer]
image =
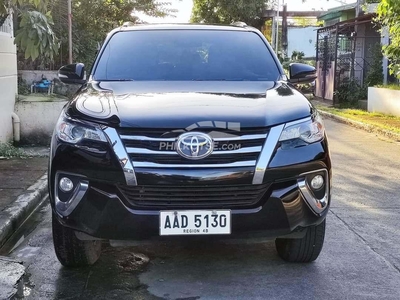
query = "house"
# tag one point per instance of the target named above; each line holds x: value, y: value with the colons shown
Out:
x: 338, y: 14
x: 346, y: 48
x: 8, y: 77
x: 301, y: 39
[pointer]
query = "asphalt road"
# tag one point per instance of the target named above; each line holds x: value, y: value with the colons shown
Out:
x: 360, y: 259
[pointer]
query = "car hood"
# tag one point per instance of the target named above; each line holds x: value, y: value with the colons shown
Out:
x: 186, y: 104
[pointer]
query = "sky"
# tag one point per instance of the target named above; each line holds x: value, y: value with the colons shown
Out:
x: 184, y: 8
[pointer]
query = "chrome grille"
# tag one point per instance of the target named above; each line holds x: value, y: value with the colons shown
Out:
x: 193, y: 196
x: 144, y: 148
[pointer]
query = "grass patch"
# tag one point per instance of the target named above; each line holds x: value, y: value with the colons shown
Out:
x: 395, y: 87
x: 387, y: 122
x: 7, y: 150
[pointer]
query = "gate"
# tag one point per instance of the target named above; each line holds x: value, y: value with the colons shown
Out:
x: 326, y: 53
x: 345, y: 52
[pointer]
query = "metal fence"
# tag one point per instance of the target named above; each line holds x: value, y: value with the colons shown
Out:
x: 7, y: 27
x: 345, y: 52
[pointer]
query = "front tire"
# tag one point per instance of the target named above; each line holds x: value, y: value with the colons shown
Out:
x: 70, y: 251
x: 306, y: 249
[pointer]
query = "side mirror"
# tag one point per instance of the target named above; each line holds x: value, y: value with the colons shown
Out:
x: 302, y: 73
x: 72, y: 74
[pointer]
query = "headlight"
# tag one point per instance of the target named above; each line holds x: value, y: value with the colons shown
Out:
x: 309, y: 131
x: 73, y: 132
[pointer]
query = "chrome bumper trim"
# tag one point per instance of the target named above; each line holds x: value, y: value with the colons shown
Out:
x: 139, y: 164
x: 133, y: 150
x: 317, y: 205
x: 122, y: 155
x: 266, y: 153
x: 222, y: 139
x: 66, y: 208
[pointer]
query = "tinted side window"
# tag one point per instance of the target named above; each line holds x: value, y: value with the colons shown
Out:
x: 186, y: 55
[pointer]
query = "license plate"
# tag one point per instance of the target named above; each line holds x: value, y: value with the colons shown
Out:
x: 195, y: 222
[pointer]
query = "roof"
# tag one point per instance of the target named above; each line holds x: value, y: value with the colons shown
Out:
x: 184, y: 26
x: 355, y: 21
x: 334, y: 12
x: 181, y: 26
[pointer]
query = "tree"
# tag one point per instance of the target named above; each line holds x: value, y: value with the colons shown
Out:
x: 228, y: 11
x: 45, y: 41
x: 93, y: 19
x: 297, y: 55
x: 34, y: 35
x: 388, y: 16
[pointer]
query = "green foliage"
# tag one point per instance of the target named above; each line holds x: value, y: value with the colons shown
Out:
x: 23, y: 87
x: 349, y: 92
x: 35, y: 36
x: 297, y: 55
x: 228, y: 11
x: 93, y: 19
x: 305, y: 22
x: 7, y: 150
x: 39, y: 5
x: 388, y: 15
x: 3, y: 8
x: 395, y: 87
x: 375, y: 73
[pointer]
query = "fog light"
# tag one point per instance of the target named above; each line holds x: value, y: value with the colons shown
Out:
x: 66, y: 184
x: 317, y: 182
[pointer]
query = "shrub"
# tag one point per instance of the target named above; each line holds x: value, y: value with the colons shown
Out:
x: 349, y: 92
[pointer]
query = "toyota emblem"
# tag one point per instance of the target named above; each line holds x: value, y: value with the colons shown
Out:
x: 194, y: 145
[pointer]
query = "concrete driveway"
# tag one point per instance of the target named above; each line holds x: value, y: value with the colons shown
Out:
x: 360, y: 259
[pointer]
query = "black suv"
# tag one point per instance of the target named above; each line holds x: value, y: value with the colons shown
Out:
x: 188, y: 130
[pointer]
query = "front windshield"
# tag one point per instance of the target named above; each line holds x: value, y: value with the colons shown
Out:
x: 186, y: 55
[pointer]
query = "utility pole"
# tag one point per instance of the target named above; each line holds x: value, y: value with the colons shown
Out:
x: 277, y: 28
x: 70, y: 31
x: 284, y: 32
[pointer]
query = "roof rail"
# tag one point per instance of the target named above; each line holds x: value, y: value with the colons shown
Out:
x: 239, y: 24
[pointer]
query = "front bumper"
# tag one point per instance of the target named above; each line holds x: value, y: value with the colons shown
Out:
x: 286, y: 206
x: 103, y: 212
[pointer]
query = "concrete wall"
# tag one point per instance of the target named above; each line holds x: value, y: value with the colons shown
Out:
x: 384, y: 101
x: 38, y: 120
x: 8, y: 79
x: 302, y: 39
x: 30, y: 76
x: 36, y: 75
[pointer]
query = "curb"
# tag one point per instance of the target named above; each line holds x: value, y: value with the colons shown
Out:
x: 367, y: 127
x: 17, y: 212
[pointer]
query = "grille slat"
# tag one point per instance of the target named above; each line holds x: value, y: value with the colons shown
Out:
x: 155, y: 146
x: 193, y: 196
x: 175, y: 199
x: 176, y: 159
x: 175, y: 132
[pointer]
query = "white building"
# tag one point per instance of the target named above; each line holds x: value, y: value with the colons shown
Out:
x: 8, y: 79
x: 302, y: 39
